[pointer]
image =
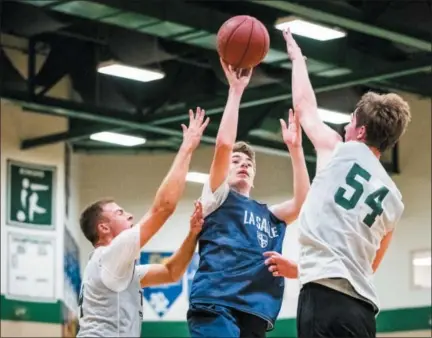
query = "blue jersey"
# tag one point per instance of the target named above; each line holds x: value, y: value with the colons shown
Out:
x: 231, y: 269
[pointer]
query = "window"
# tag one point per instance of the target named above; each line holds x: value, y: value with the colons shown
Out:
x: 421, y: 268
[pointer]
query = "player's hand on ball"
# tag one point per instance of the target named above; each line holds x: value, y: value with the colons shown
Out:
x: 237, y: 78
x: 292, y: 133
x: 280, y: 266
x: 197, y: 219
x: 293, y: 49
x: 192, y: 134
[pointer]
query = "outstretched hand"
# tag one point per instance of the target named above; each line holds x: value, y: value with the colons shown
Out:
x: 292, y: 133
x: 294, y: 51
x: 237, y: 78
x: 192, y: 134
x: 280, y: 266
x: 197, y: 219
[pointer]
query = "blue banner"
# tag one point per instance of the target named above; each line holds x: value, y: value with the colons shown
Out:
x: 190, y: 272
x: 72, y: 273
x: 160, y: 297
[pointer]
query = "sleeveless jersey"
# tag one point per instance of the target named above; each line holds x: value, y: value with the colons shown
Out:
x: 351, y: 205
x: 231, y: 269
x: 105, y: 313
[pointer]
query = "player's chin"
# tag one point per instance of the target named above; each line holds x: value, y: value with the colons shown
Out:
x: 243, y: 181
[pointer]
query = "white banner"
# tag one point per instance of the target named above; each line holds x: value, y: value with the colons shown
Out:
x: 31, y: 267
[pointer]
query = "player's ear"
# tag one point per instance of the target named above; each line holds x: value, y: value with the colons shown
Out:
x: 103, y: 228
x: 361, y: 133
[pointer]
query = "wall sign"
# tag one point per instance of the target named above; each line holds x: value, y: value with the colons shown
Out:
x: 31, y: 267
x: 30, y: 195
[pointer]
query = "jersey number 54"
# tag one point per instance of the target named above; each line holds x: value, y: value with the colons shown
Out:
x: 373, y: 200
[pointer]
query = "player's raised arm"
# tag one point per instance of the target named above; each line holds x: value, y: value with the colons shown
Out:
x: 172, y: 187
x: 305, y: 105
x: 292, y: 136
x: 227, y: 133
x: 172, y: 270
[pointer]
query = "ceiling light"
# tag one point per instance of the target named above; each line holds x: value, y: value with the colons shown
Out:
x: 197, y: 177
x: 333, y: 117
x: 128, y: 72
x: 309, y: 29
x: 426, y: 261
x: 115, y: 138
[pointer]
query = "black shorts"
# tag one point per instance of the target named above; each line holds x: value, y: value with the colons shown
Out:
x: 324, y: 312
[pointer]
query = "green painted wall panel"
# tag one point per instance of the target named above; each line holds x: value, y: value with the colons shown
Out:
x: 395, y: 320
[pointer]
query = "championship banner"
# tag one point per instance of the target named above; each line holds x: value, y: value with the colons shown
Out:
x: 72, y: 273
x: 161, y: 297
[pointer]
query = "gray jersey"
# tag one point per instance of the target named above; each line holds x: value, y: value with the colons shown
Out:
x: 105, y: 313
x: 352, y: 204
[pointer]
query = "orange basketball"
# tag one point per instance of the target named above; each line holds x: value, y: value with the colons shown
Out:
x: 243, y: 41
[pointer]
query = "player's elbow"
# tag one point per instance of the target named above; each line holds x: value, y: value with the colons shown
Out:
x: 173, y: 274
x: 164, y: 208
x: 293, y: 212
x: 224, y: 143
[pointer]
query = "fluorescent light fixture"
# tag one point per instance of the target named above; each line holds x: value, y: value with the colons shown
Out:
x: 425, y: 261
x: 115, y: 138
x: 196, y: 177
x: 128, y: 72
x: 333, y: 117
x: 309, y: 29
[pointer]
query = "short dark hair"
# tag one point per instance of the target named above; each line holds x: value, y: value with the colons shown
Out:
x: 385, y: 116
x: 243, y: 147
x: 90, y: 217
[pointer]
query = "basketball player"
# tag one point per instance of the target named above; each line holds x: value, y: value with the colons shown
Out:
x: 111, y: 299
x: 350, y: 213
x: 233, y: 294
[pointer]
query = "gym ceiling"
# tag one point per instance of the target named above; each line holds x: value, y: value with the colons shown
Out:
x: 387, y: 47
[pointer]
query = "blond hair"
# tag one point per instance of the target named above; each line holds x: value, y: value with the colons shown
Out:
x: 385, y: 117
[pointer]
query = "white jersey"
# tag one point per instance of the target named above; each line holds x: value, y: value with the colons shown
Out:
x: 352, y: 204
x: 111, y: 298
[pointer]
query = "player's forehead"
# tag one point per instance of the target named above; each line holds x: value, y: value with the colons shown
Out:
x: 240, y: 156
x: 112, y: 207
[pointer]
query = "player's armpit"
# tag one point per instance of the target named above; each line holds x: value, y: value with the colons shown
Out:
x: 385, y: 242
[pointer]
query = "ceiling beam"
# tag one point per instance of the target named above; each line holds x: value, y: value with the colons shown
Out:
x: 69, y: 109
x: 323, y: 14
x: 206, y: 20
x: 66, y: 136
x: 271, y: 94
x: 253, y: 97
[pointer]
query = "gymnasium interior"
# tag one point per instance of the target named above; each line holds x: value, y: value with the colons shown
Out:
x: 74, y: 131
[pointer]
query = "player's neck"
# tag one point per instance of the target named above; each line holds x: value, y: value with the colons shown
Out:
x: 104, y: 242
x: 245, y: 191
x: 376, y: 152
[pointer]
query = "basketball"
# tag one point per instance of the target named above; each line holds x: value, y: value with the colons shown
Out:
x: 243, y: 41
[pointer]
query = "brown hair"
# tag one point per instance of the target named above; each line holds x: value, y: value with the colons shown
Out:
x: 243, y: 147
x: 385, y: 118
x: 90, y: 217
